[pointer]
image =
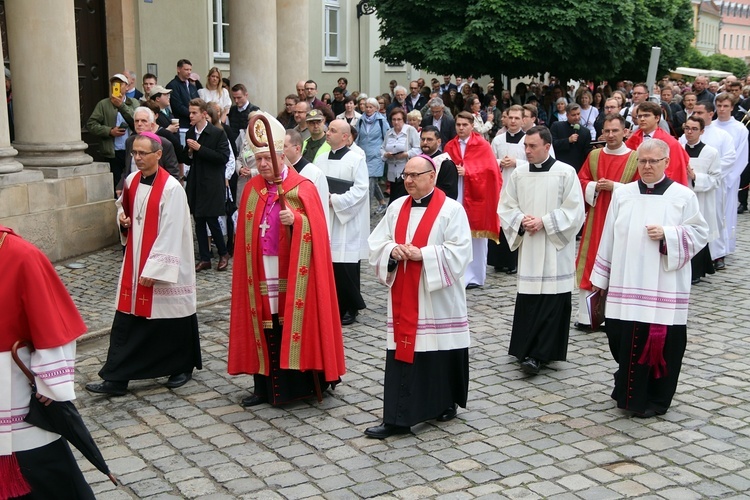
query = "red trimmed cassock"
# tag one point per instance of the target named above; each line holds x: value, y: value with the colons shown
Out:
x: 38, y: 309
x: 284, y: 323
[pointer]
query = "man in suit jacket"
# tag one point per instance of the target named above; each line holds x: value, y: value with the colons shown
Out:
x: 144, y: 121
x: 437, y: 117
x: 207, y: 153
x: 415, y: 100
x: 182, y: 92
x: 571, y: 141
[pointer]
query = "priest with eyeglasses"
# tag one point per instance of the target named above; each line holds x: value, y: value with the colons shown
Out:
x: 420, y: 251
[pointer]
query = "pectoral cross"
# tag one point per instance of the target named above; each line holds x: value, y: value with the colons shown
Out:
x: 263, y: 227
x: 143, y: 300
x: 139, y: 218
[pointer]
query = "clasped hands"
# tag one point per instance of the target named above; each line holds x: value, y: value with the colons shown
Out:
x: 532, y: 224
x: 406, y: 251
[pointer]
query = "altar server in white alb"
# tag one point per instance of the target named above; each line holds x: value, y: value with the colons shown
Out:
x: 725, y: 121
x: 541, y: 210
x: 704, y: 177
x: 653, y: 228
x: 349, y: 214
x: 420, y: 250
x: 155, y: 330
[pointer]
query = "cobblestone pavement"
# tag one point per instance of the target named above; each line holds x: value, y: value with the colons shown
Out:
x: 557, y: 435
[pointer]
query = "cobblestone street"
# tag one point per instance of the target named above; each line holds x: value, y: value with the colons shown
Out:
x: 557, y: 435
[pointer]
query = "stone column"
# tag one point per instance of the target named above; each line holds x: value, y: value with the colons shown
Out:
x: 44, y: 66
x: 292, y: 46
x: 252, y: 37
x: 8, y: 164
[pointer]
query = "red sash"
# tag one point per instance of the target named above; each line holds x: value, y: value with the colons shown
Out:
x: 405, y: 289
x: 143, y: 295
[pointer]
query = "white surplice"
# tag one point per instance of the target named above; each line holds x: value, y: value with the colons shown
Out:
x: 442, y: 322
x: 502, y: 148
x: 643, y: 284
x: 546, y: 260
x: 707, y: 168
x: 171, y: 261
x: 732, y: 179
x: 349, y: 212
x: 721, y: 140
x: 315, y: 174
x: 55, y: 373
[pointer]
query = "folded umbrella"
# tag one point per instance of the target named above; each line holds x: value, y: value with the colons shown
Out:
x: 61, y: 417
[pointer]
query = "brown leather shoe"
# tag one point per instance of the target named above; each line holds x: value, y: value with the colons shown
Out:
x: 200, y: 266
x: 223, y: 263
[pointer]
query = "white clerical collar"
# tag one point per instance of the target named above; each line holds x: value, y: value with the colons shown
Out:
x: 334, y: 151
x: 419, y: 201
x: 622, y: 150
x: 651, y: 186
x: 513, y: 134
x: 695, y: 144
x: 540, y: 165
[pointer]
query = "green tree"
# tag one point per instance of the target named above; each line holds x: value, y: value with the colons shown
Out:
x: 723, y: 62
x: 569, y: 38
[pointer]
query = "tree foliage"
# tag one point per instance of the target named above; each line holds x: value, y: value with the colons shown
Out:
x: 590, y: 39
x: 694, y: 59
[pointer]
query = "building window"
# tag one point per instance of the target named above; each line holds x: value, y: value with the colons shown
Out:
x: 221, y: 29
x: 724, y: 46
x: 332, y: 31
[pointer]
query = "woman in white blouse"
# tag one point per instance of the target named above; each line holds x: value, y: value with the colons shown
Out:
x: 588, y: 112
x: 401, y: 143
x: 214, y: 92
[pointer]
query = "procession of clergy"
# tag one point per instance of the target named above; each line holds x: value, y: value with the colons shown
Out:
x: 655, y: 212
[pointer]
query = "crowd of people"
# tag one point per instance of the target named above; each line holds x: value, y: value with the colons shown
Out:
x: 460, y: 179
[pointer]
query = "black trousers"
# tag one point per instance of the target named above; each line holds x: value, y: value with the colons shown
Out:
x: 346, y: 275
x: 116, y: 166
x: 200, y: 232
x: 52, y: 472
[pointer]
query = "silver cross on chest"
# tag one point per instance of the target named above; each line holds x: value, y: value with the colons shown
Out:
x: 263, y: 227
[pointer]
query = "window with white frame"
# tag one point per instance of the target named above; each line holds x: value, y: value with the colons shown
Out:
x: 221, y: 29
x: 332, y: 31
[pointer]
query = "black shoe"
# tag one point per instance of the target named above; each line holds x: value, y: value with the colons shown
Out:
x: 695, y: 281
x: 108, y: 388
x: 512, y: 271
x: 178, y: 380
x: 646, y: 414
x: 583, y: 327
x: 348, y: 318
x: 472, y: 286
x: 741, y: 209
x: 719, y: 264
x: 253, y: 400
x: 448, y: 414
x: 384, y: 430
x: 530, y: 366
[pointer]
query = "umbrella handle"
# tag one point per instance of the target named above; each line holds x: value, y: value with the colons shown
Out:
x: 113, y: 479
x: 25, y: 369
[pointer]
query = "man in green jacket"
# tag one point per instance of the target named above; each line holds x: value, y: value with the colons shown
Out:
x: 111, y: 121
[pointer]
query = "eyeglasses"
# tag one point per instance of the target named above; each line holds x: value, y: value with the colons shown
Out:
x: 136, y: 154
x: 646, y: 161
x: 691, y: 129
x: 413, y: 175
x: 643, y: 117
